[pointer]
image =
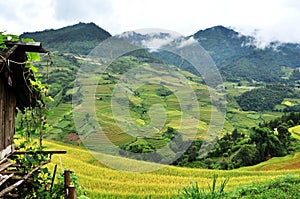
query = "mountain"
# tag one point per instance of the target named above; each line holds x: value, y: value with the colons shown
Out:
x: 223, y: 43
x: 80, y: 38
x: 237, y: 56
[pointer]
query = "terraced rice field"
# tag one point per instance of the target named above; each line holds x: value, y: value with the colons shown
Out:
x: 295, y: 131
x: 104, y: 182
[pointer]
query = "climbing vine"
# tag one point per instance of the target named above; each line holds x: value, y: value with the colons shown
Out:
x: 7, y: 37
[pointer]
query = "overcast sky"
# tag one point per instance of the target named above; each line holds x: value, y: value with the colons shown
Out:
x: 268, y: 19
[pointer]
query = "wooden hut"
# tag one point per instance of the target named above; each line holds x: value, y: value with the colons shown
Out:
x: 16, y: 90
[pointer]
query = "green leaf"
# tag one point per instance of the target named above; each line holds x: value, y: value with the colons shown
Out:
x: 33, y: 56
x: 31, y: 67
x: 27, y: 40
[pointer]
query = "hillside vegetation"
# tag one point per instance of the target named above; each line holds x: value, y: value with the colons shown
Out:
x: 71, y: 39
x: 266, y: 98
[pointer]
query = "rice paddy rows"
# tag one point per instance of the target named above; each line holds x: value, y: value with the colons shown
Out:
x: 104, y: 182
x: 295, y: 131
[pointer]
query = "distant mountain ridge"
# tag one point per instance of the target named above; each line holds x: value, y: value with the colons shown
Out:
x: 236, y: 55
x: 80, y: 38
x: 223, y: 43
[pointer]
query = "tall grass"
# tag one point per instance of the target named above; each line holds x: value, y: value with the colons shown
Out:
x: 193, y: 191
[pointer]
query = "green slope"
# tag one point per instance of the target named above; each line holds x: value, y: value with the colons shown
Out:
x: 62, y: 108
x: 288, y: 162
x: 295, y: 132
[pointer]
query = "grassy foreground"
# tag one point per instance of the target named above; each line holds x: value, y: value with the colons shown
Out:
x: 103, y: 182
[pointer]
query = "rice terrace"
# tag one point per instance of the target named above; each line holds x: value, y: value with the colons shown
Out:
x: 147, y: 113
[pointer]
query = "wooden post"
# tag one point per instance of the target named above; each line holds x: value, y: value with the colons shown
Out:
x: 53, y: 178
x: 67, y: 182
x: 72, y: 192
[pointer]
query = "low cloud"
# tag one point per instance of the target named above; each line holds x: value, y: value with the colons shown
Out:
x: 187, y: 42
x: 156, y: 43
x: 276, y: 20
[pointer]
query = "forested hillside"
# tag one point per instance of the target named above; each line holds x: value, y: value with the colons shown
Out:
x: 79, y: 39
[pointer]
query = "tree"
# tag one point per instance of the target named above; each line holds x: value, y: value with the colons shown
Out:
x: 138, y: 146
x: 247, y: 155
x: 284, y: 134
x: 267, y: 143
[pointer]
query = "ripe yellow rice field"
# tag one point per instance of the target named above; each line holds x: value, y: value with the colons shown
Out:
x: 104, y: 182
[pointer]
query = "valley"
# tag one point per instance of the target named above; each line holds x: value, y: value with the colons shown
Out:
x: 262, y: 88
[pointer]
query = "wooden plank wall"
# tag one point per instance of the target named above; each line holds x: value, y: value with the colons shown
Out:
x: 7, y: 115
x: 2, y: 113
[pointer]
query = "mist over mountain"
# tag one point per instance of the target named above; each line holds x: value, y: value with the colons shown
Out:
x: 152, y: 40
x: 237, y: 56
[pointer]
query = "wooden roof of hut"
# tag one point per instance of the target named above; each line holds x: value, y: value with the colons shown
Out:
x: 15, y: 74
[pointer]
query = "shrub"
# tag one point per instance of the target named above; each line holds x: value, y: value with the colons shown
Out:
x: 193, y: 191
x: 283, y: 187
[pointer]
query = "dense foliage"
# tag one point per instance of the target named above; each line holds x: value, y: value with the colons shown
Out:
x: 232, y: 150
x: 238, y: 57
x: 266, y: 98
x: 283, y: 187
x: 236, y: 149
x: 289, y: 120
